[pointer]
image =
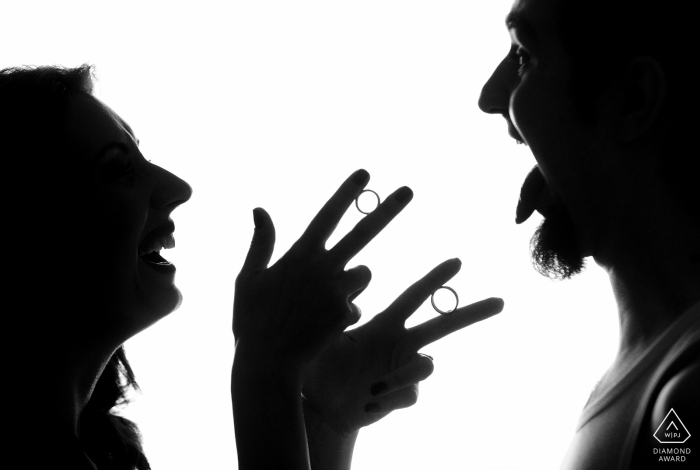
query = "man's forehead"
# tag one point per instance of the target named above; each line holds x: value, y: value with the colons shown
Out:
x: 118, y: 120
x: 522, y: 26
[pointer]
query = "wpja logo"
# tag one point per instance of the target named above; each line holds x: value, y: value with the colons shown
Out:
x: 671, y: 431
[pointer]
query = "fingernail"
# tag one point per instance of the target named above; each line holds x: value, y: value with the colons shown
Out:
x: 379, y: 387
x: 372, y: 408
x: 425, y: 355
x: 361, y: 177
x: 404, y: 194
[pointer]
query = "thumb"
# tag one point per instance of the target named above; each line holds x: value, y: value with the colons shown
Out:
x: 263, y: 243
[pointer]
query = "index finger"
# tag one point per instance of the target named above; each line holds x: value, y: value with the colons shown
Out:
x: 370, y: 226
x: 325, y: 222
x: 413, y: 297
x: 436, y: 328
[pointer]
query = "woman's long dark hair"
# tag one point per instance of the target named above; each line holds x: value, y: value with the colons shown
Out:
x: 33, y: 102
x: 111, y: 441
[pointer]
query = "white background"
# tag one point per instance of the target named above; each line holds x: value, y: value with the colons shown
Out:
x: 274, y: 104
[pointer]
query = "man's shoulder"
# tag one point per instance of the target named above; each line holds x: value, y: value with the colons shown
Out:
x: 681, y: 393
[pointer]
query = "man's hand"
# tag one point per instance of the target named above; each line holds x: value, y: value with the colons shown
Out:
x: 372, y: 370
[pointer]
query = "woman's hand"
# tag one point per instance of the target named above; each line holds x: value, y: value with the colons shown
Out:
x: 296, y: 307
x: 372, y: 370
x: 285, y: 315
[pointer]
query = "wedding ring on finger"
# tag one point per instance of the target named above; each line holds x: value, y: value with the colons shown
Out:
x: 357, y: 201
x: 444, y: 312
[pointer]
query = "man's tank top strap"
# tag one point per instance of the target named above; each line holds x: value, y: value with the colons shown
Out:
x: 682, y: 333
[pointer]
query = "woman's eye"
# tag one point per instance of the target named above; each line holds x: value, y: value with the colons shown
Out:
x: 118, y: 170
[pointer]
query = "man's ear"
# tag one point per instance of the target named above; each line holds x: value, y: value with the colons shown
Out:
x: 644, y: 90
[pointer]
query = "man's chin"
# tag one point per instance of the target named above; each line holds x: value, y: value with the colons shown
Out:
x: 554, y: 248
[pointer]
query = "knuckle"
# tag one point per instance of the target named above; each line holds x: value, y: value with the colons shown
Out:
x: 364, y: 270
x: 411, y: 397
x: 354, y: 314
x: 426, y: 368
x: 364, y: 274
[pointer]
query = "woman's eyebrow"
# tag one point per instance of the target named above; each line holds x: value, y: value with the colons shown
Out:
x: 129, y: 130
x: 121, y: 146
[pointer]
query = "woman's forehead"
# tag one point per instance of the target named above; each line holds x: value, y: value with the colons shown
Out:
x: 92, y: 124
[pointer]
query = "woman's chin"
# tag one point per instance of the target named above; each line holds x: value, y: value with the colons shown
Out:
x: 152, y: 306
x: 165, y: 302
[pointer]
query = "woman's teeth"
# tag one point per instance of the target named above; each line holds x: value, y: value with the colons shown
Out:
x: 154, y: 257
x: 165, y: 242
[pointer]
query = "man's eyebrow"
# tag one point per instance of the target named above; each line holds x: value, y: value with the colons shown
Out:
x: 515, y: 20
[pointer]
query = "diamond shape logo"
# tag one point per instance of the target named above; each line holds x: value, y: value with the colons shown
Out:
x: 672, y: 430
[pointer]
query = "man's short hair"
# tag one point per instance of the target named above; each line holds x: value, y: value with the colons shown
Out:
x: 603, y: 36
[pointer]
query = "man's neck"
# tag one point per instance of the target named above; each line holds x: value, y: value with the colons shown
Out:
x: 653, y: 287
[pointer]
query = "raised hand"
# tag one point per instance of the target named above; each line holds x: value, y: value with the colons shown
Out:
x: 372, y: 370
x: 296, y: 307
x: 285, y: 315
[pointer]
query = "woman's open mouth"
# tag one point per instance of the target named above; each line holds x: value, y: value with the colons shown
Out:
x: 157, y: 262
x: 154, y: 257
x: 150, y: 248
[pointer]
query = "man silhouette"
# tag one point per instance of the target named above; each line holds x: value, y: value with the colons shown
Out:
x: 601, y: 94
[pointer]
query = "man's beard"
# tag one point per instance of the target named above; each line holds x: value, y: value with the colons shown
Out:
x: 554, y: 248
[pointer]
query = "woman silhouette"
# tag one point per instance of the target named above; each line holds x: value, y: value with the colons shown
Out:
x: 87, y: 220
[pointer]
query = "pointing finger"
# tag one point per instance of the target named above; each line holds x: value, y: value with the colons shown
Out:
x: 325, y: 222
x: 413, y: 297
x: 370, y: 226
x: 439, y: 327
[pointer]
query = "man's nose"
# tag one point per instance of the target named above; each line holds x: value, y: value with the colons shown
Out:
x: 495, y: 95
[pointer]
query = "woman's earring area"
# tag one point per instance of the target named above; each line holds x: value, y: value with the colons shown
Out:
x: 444, y: 312
x: 357, y: 201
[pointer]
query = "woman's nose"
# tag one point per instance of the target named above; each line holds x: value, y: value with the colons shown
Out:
x: 170, y: 191
x: 495, y: 95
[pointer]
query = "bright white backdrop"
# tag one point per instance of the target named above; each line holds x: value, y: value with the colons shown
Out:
x: 273, y: 104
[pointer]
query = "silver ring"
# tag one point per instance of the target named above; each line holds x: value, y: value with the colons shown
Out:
x: 357, y: 199
x: 432, y: 300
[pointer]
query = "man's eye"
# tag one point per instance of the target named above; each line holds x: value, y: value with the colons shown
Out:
x: 523, y: 60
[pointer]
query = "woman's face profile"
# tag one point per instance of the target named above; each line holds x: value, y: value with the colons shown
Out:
x: 123, y: 221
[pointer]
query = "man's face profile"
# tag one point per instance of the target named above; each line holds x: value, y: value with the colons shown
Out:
x: 530, y: 89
